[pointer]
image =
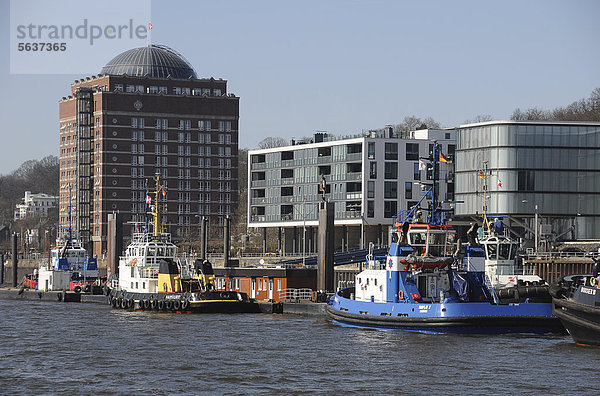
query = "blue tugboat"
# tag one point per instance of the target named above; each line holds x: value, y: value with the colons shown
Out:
x: 419, y: 287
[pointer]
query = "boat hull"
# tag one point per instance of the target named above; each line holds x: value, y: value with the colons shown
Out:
x: 200, y: 302
x: 581, y: 320
x: 464, y: 318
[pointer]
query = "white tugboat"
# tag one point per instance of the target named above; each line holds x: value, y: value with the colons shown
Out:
x: 153, y: 277
x: 69, y: 267
x: 493, y: 251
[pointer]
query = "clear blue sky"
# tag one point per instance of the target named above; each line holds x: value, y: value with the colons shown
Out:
x: 345, y: 66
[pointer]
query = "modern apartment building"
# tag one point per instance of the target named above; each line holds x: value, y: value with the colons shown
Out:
x: 370, y: 178
x: 147, y: 113
x: 551, y: 169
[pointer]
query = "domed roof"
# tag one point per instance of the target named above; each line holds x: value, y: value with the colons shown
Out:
x: 155, y: 61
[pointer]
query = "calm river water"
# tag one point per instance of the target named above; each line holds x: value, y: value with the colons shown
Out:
x: 91, y: 349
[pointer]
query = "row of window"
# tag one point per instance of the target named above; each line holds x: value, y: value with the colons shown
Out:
x: 153, y: 89
x: 163, y: 123
x: 182, y: 137
x: 412, y: 150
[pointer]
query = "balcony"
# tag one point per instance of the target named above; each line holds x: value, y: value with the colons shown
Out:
x: 354, y: 157
x: 349, y: 214
x: 258, y: 183
x: 354, y: 176
x: 259, y: 201
x: 259, y: 165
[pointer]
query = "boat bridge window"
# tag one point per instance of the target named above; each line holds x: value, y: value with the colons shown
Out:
x: 418, y: 238
x: 394, y: 237
x: 491, y: 252
x: 504, y: 251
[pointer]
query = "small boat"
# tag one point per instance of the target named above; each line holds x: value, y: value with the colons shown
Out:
x: 419, y: 286
x: 576, y: 300
x: 69, y: 268
x: 153, y: 277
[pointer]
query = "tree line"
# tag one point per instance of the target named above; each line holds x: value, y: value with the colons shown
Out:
x: 37, y: 176
x: 580, y: 110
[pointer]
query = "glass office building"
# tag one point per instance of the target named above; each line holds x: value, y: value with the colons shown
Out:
x: 551, y: 166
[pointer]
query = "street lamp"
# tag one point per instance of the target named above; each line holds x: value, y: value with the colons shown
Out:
x: 535, y: 225
x: 303, y: 232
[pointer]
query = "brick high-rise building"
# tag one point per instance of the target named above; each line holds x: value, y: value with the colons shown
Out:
x: 147, y: 112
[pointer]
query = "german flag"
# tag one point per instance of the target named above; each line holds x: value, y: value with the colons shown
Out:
x: 481, y: 174
x: 443, y: 158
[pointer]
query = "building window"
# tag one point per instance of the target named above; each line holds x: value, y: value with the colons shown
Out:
x: 450, y: 192
x: 412, y: 151
x: 373, y: 170
x: 390, y: 189
x: 451, y: 152
x: 370, y: 189
x: 391, y: 170
x: 416, y: 171
x: 525, y: 180
x: 390, y: 208
x: 408, y: 190
x: 391, y: 151
x: 371, y: 150
x: 370, y: 208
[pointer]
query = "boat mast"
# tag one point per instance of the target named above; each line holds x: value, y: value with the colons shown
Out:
x: 156, y: 221
x: 487, y: 226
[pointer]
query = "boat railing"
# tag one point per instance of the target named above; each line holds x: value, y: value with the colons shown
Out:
x: 490, y: 287
x: 531, y: 254
x: 378, y: 263
x: 295, y: 295
x: 149, y: 272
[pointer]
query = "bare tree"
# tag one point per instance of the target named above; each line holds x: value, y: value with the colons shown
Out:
x: 580, y: 110
x: 271, y: 142
x: 412, y: 123
x: 479, y: 118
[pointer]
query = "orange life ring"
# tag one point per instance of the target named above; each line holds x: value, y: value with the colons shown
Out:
x: 401, y: 294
